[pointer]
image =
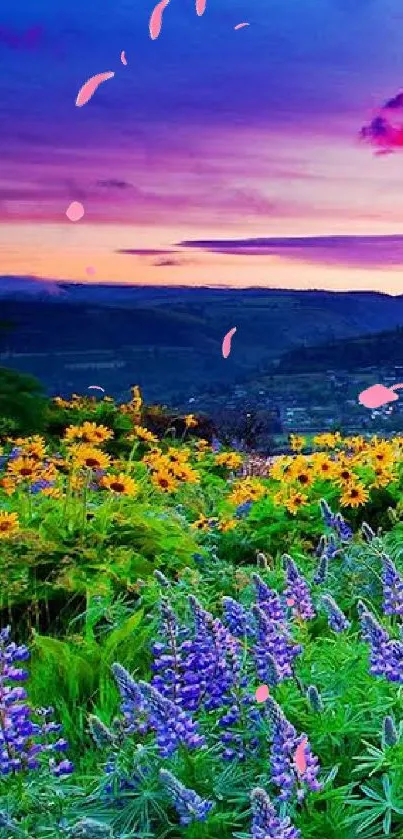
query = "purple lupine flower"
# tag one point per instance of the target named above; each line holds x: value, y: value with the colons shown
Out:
x: 172, y: 726
x: 273, y: 642
x: 265, y: 822
x: 392, y: 588
x: 268, y: 600
x: 189, y: 806
x: 327, y: 514
x: 342, y: 528
x: 243, y: 509
x: 285, y: 774
x: 336, y: 618
x: 322, y: 569
x: 298, y: 591
x: 168, y: 655
x: 22, y: 737
x: 215, y: 655
x: 386, y: 655
x: 336, y: 522
x: 238, y: 619
x: 133, y: 707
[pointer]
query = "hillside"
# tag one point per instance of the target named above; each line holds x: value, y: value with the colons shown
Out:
x: 385, y: 348
x: 168, y: 340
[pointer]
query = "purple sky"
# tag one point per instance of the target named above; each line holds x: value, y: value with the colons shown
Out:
x: 207, y: 133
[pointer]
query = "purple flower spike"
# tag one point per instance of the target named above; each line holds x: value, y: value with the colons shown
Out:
x: 189, y: 806
x: 265, y: 822
x: 298, y: 591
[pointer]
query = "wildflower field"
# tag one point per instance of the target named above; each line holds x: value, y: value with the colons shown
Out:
x: 151, y: 581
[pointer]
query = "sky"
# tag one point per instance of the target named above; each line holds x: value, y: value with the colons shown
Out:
x: 209, y: 138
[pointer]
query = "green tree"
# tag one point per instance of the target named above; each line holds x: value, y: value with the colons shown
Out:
x: 22, y: 403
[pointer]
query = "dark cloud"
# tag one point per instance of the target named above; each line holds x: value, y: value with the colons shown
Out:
x: 31, y: 39
x: 166, y: 263
x: 145, y: 252
x: 114, y: 184
x: 346, y: 251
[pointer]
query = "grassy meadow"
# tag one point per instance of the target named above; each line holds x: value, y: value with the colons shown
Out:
x: 151, y: 581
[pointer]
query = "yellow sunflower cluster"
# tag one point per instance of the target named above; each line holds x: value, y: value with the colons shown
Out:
x: 171, y: 468
x: 231, y: 460
x: 353, y: 465
x: 247, y: 489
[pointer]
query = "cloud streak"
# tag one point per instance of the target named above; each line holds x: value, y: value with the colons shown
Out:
x: 347, y: 251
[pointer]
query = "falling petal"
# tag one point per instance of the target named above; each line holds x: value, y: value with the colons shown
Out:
x: 200, y: 7
x: 226, y: 344
x: 156, y: 19
x: 123, y: 57
x: 95, y: 387
x: 88, y: 89
x: 75, y: 211
x: 299, y: 757
x: 262, y: 693
x: 290, y: 601
x: 241, y: 25
x: 376, y: 396
x: 90, y: 270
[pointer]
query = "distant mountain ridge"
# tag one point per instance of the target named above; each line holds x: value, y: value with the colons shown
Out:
x: 168, y: 339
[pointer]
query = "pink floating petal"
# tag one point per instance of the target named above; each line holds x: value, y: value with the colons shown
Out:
x: 90, y: 270
x: 299, y: 757
x: 226, y: 344
x: 88, y: 89
x: 75, y: 211
x: 95, y: 387
x: 123, y: 57
x: 200, y: 7
x: 290, y: 601
x: 241, y: 25
x: 376, y: 396
x: 156, y: 19
x: 262, y: 693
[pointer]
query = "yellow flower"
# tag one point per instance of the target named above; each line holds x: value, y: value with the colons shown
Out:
x: 302, y: 477
x: 177, y: 455
x: 323, y: 466
x: 190, y: 421
x: 203, y: 523
x: 24, y: 468
x: 383, y: 477
x: 357, y: 444
x: 280, y: 467
x: 152, y: 457
x: 344, y: 476
x: 295, y: 501
x: 327, y: 441
x: 9, y: 485
x: 136, y: 401
x: 231, y: 460
x: 88, y: 432
x: 89, y: 457
x: 202, y: 445
x: 34, y: 447
x: 52, y: 492
x: 354, y: 496
x: 249, y: 489
x: 164, y: 481
x: 120, y: 484
x: 144, y: 434
x: 227, y: 524
x: 382, y: 453
x: 183, y: 472
x: 296, y: 442
x: 9, y: 524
